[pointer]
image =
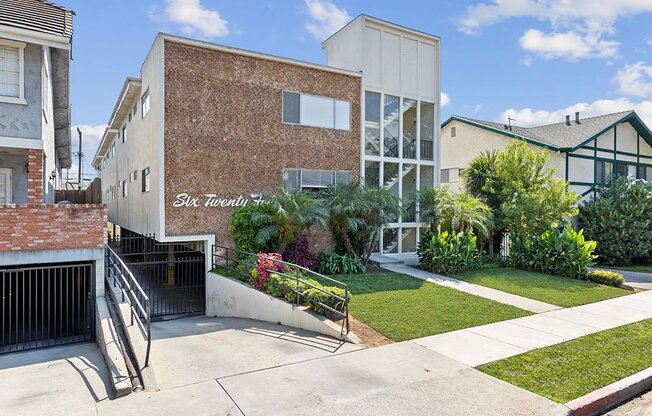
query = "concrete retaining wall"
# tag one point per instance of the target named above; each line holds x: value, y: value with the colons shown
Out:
x: 230, y: 298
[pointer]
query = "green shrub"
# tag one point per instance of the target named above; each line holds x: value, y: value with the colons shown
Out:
x: 448, y: 253
x: 606, y: 277
x: 244, y: 231
x: 286, y: 287
x: 565, y: 253
x: 333, y: 263
x: 619, y: 219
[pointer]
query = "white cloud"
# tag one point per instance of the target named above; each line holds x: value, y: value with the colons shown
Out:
x: 635, y: 80
x: 570, y: 45
x: 527, y: 117
x: 577, y: 28
x: 526, y: 60
x: 649, y: 42
x: 445, y: 99
x: 325, y: 18
x: 194, y: 18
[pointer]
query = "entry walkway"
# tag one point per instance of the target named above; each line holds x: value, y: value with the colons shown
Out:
x: 487, y: 343
x: 482, y: 291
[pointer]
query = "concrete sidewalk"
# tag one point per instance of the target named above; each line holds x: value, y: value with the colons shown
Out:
x: 478, y: 290
x: 487, y: 343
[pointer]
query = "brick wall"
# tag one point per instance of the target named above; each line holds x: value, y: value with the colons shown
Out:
x: 35, y: 176
x: 52, y: 227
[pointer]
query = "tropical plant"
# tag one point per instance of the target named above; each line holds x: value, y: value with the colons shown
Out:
x: 244, y: 231
x: 464, y: 213
x: 360, y: 210
x: 267, y: 262
x: 479, y: 171
x: 432, y: 203
x: 566, y: 253
x: 333, y: 263
x: 619, y: 219
x: 448, y: 253
x: 291, y: 214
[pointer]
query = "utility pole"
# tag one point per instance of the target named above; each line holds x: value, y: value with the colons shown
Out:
x: 79, y: 157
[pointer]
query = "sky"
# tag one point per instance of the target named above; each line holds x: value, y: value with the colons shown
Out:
x: 531, y: 60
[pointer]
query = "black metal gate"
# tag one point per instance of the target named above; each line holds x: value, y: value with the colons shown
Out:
x: 43, y: 306
x: 173, y: 275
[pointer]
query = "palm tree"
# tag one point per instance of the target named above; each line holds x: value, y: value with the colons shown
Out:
x: 479, y: 171
x: 432, y: 202
x: 345, y: 204
x: 292, y: 213
x: 380, y: 204
x: 465, y: 213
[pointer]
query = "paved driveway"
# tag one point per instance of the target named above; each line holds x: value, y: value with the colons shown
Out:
x: 67, y: 380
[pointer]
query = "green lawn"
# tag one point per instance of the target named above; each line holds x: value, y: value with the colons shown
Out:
x: 403, y: 307
x: 560, y: 291
x: 642, y: 268
x: 570, y: 370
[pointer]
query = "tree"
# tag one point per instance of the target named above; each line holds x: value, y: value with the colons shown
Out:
x: 291, y: 214
x: 463, y: 213
x: 619, y: 219
x: 359, y: 211
x: 432, y: 202
x: 525, y: 197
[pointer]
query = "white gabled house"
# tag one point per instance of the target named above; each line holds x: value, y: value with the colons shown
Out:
x: 584, y: 151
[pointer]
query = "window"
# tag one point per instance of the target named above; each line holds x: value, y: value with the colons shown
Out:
x: 145, y: 180
x: 144, y: 104
x: 625, y: 170
x: 5, y: 186
x: 391, y: 125
x: 604, y: 170
x: 124, y: 133
x: 131, y: 177
x: 312, y: 179
x: 113, y: 150
x: 112, y: 192
x: 130, y: 116
x: 12, y: 72
x: 453, y: 131
x: 450, y: 175
x: 645, y: 172
x: 133, y: 111
x: 124, y: 189
x: 314, y: 111
x: 409, y: 110
x: 372, y: 123
x: 427, y: 130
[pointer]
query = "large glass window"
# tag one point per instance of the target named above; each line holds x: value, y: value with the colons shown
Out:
x: 427, y: 177
x: 409, y: 128
x: 409, y: 240
x: 624, y: 170
x: 391, y: 125
x: 604, y: 171
x: 391, y: 180
x: 315, y: 111
x: 427, y: 130
x: 372, y: 123
x: 372, y: 173
x: 409, y: 184
x: 390, y: 240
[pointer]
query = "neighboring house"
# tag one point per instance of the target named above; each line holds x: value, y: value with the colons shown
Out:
x: 584, y: 151
x: 50, y: 255
x: 216, y: 126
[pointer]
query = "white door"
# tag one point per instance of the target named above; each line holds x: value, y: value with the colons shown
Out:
x: 5, y: 186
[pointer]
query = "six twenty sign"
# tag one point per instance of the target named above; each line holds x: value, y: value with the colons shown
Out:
x: 212, y: 200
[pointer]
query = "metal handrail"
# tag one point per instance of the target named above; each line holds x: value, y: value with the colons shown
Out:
x: 130, y: 288
x: 296, y: 268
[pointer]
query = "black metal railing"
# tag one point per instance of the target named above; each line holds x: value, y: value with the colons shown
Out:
x: 118, y: 274
x: 410, y: 149
x: 44, y: 306
x: 410, y: 214
x: 240, y: 263
x: 390, y: 145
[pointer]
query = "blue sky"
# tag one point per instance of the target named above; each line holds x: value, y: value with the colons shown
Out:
x: 534, y: 60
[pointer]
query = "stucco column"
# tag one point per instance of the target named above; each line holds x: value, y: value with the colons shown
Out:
x: 35, y: 176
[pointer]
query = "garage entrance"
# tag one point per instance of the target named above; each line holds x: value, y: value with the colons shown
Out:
x: 46, y: 305
x: 173, y: 275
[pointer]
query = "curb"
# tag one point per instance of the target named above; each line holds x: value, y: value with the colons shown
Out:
x: 608, y: 397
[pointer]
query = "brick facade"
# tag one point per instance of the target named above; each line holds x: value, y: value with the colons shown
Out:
x: 52, y: 227
x: 35, y: 176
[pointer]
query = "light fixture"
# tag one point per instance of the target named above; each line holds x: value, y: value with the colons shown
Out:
x: 53, y: 174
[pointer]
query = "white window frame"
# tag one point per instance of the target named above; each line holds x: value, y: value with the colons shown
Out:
x: 145, y: 98
x: 21, y: 76
x: 125, y: 191
x: 124, y: 134
x: 334, y: 102
x: 9, y: 173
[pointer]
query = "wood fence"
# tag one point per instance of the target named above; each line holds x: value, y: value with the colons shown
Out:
x: 90, y: 195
